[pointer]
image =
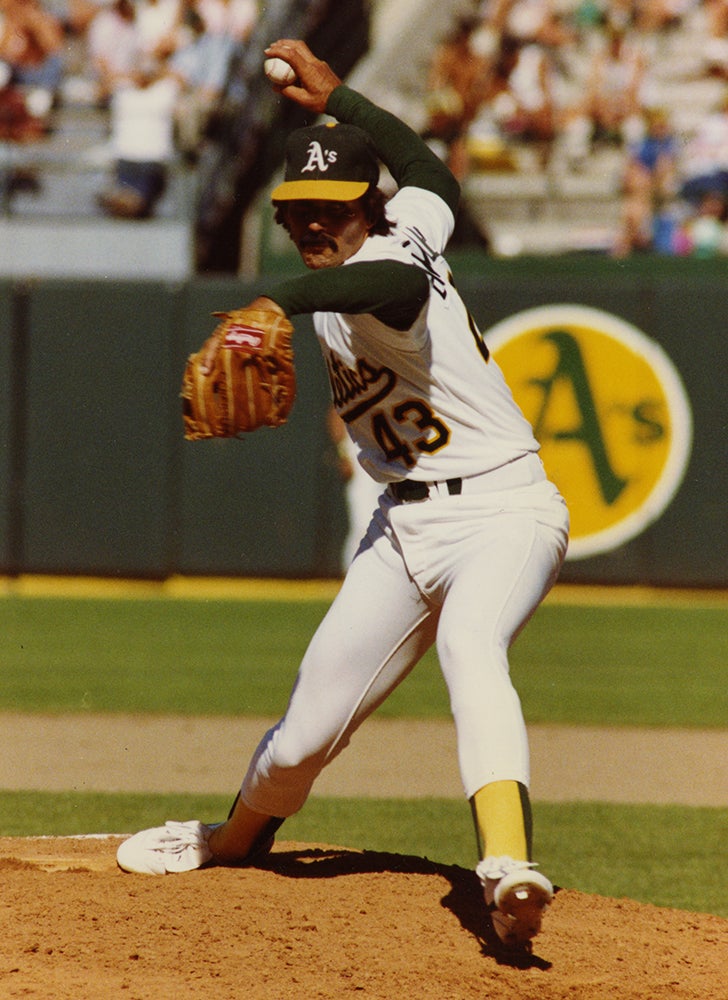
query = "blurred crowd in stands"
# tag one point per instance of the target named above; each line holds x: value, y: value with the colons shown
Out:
x: 566, y: 78
x: 160, y: 67
x: 561, y: 77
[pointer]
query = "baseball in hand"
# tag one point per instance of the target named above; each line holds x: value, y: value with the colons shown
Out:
x: 279, y: 72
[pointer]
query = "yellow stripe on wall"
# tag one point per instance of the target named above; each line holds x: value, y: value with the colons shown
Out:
x: 252, y: 589
x: 191, y: 588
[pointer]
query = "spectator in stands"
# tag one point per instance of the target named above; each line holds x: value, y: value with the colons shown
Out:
x: 113, y: 48
x: 619, y: 15
x: 521, y: 97
x: 649, y: 183
x: 704, y: 232
x: 31, y: 46
x: 615, y: 95
x: 656, y: 16
x: 17, y: 124
x: 539, y: 21
x: 457, y: 85
x: 159, y: 27
x: 715, y: 50
x: 587, y: 17
x: 201, y: 69
x: 704, y: 160
x: 616, y: 87
x: 75, y: 16
x: 142, y: 136
x: 234, y: 18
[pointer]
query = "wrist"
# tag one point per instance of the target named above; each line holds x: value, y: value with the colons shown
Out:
x: 331, y: 99
x: 268, y: 304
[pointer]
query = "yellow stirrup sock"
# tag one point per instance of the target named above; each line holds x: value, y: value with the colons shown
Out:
x: 502, y: 817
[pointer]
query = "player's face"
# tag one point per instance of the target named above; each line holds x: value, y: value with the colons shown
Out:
x: 327, y: 233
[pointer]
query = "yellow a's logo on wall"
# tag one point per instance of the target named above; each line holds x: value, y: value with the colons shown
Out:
x: 609, y: 410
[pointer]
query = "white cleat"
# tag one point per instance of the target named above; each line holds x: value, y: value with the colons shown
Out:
x: 174, y: 847
x: 517, y: 896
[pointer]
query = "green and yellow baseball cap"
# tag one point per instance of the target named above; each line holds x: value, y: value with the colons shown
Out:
x: 330, y: 162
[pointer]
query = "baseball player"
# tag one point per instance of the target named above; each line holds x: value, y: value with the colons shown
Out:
x: 469, y: 534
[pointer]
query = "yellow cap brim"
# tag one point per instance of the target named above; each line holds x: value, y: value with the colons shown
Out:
x: 319, y: 191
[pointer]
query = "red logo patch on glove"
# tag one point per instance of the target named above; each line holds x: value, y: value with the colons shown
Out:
x: 243, y: 338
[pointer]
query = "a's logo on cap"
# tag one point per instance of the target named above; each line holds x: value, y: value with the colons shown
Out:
x: 610, y: 412
x: 319, y: 158
x: 335, y: 162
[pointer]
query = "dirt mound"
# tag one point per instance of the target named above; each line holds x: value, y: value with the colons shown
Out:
x: 323, y: 922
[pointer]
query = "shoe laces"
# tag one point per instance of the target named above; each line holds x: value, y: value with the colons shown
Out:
x: 497, y: 867
x: 178, y: 837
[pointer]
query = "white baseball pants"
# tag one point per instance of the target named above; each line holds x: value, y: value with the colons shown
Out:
x: 466, y: 572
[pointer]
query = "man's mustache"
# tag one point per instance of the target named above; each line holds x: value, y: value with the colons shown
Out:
x: 317, y: 240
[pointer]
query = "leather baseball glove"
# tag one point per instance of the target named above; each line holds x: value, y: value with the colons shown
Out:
x: 253, y: 382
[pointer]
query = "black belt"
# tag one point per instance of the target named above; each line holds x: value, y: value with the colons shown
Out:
x: 408, y: 490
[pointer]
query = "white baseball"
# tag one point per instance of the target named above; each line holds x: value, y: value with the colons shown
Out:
x: 279, y: 72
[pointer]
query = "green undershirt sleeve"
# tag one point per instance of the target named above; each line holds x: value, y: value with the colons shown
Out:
x: 392, y: 291
x: 409, y: 159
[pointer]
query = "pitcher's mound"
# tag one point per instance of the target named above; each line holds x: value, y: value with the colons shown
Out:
x: 323, y: 922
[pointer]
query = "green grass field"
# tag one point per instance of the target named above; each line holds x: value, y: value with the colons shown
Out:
x: 573, y: 664
x: 654, y: 665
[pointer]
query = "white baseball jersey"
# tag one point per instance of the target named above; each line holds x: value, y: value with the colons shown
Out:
x: 426, y: 403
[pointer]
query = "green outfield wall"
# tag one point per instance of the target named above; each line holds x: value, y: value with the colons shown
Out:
x: 95, y: 477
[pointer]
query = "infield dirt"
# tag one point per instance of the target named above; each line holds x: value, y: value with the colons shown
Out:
x: 323, y: 922
x: 319, y: 921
